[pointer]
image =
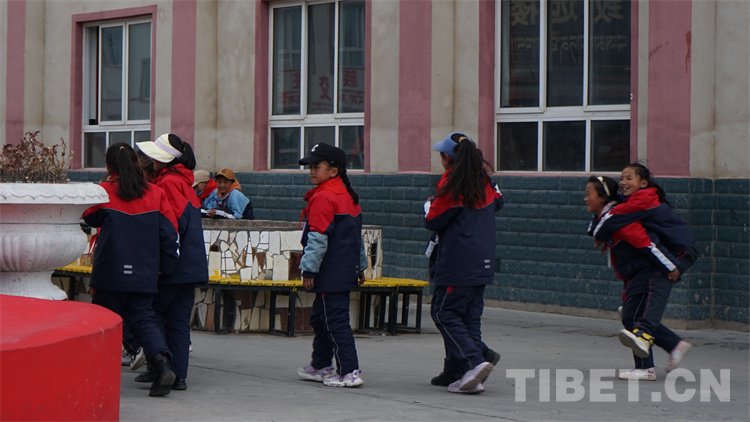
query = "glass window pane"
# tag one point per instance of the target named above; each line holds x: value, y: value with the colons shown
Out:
x: 139, y: 71
x: 287, y: 53
x: 518, y: 146
x: 352, y: 141
x: 609, y: 52
x: 115, y: 137
x: 351, y: 70
x: 285, y: 152
x: 91, y: 81
x: 519, y: 85
x: 111, y: 74
x: 142, y: 135
x: 610, y: 145
x: 320, y: 39
x: 565, y: 53
x: 95, y: 147
x: 316, y: 135
x: 564, y: 146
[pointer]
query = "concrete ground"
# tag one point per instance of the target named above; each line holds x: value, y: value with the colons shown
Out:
x: 251, y: 377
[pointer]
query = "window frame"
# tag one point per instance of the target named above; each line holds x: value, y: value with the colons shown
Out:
x: 543, y: 113
x: 111, y: 126
x: 304, y: 120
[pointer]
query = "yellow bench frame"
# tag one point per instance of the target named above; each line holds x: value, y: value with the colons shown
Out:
x: 387, y: 289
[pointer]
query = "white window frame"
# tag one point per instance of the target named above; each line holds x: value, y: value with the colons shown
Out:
x: 304, y: 120
x: 108, y: 127
x: 543, y: 113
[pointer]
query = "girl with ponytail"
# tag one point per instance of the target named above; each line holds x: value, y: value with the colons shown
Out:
x: 333, y: 262
x: 174, y: 163
x: 137, y: 240
x: 462, y: 261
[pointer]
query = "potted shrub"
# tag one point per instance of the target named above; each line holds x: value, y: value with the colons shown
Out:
x: 39, y: 216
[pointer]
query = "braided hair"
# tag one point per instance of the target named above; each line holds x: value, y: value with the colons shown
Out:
x: 469, y: 173
x: 344, y: 178
x: 645, y: 174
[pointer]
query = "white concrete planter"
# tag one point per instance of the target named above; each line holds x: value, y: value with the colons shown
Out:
x: 40, y: 231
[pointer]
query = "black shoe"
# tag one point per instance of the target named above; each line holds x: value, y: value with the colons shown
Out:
x: 147, y: 376
x: 491, y: 356
x: 179, y: 384
x: 444, y: 379
x: 163, y: 376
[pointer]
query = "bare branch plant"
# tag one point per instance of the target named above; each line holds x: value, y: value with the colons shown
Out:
x: 31, y: 161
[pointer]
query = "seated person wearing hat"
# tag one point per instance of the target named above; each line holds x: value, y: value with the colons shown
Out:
x: 227, y: 201
x: 203, y: 185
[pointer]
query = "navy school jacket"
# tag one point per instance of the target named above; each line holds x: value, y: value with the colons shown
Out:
x: 137, y: 240
x: 332, y: 238
x: 465, y: 253
x: 192, y: 266
x: 658, y: 219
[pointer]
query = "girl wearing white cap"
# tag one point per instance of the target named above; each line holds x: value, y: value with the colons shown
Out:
x: 174, y: 163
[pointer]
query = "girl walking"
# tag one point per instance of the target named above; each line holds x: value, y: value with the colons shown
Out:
x: 174, y: 163
x: 462, y: 214
x: 332, y: 264
x: 137, y: 240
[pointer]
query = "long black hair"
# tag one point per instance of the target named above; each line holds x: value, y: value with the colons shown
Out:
x: 469, y: 173
x: 187, y: 158
x: 122, y: 161
x: 345, y: 179
x: 606, y: 187
x: 645, y: 174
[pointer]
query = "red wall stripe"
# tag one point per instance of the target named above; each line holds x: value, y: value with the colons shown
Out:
x: 669, y: 88
x: 414, y: 119
x: 486, y: 79
x: 184, y: 21
x: 260, y: 138
x: 15, y: 69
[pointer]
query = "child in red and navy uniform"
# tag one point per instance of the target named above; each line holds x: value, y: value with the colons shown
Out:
x: 332, y: 264
x: 174, y: 162
x: 646, y: 297
x: 137, y: 240
x: 636, y: 256
x: 462, y: 215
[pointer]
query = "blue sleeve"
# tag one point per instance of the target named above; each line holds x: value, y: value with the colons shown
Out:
x: 211, y: 201
x: 312, y: 256
x: 237, y: 202
x: 362, y: 257
x: 170, y: 246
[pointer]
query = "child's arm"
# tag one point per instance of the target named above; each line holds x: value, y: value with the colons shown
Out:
x: 237, y: 202
x: 635, y: 235
x: 442, y: 211
x: 168, y: 237
x: 319, y: 218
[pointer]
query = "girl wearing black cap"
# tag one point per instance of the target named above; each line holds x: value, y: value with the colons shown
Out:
x: 332, y: 264
x: 462, y: 215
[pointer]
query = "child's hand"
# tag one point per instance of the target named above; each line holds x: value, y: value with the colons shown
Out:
x: 309, y: 283
x: 673, y: 275
x: 362, y: 278
x: 211, y: 212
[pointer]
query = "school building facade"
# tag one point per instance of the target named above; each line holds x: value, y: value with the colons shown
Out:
x: 552, y: 91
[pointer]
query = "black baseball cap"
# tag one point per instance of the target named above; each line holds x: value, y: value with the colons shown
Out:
x: 324, y: 152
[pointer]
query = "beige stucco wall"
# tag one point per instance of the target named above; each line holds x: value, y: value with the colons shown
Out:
x: 206, y: 84
x: 33, y: 85
x: 384, y: 87
x: 702, y: 88
x: 466, y: 66
x: 642, y: 68
x: 235, y: 46
x: 732, y: 90
x: 443, y: 74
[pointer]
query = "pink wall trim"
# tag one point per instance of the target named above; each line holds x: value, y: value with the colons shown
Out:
x: 14, y: 70
x: 669, y: 88
x: 634, y: 36
x: 76, y: 72
x: 184, y: 20
x: 368, y: 82
x: 414, y: 119
x: 260, y: 138
x: 486, y: 79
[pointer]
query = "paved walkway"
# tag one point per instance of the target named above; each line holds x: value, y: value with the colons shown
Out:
x: 251, y: 377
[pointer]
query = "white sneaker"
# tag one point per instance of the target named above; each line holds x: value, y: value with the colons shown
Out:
x: 190, y: 348
x: 138, y: 360
x: 350, y: 380
x: 126, y: 358
x: 619, y: 312
x: 311, y: 374
x: 637, y: 374
x: 639, y: 346
x: 677, y: 355
x: 470, y: 381
x: 478, y: 389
